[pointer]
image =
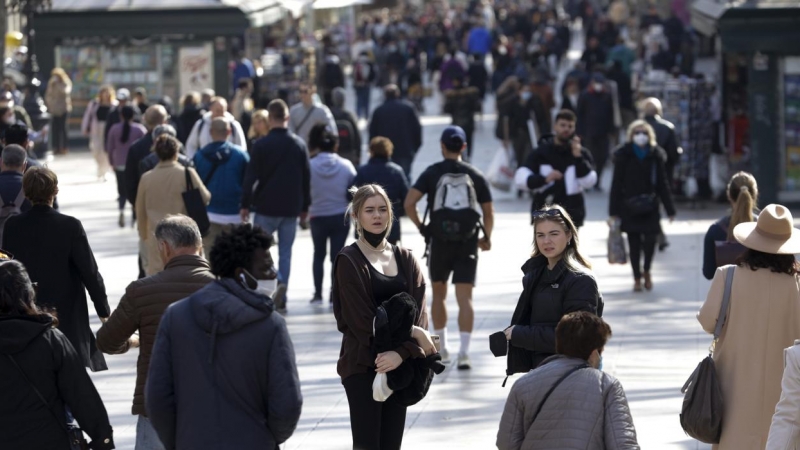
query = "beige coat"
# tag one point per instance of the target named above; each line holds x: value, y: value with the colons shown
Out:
x: 763, y: 319
x: 159, y: 195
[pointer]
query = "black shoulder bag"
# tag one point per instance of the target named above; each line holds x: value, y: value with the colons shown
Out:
x: 645, y: 204
x: 75, y: 435
x: 195, y: 206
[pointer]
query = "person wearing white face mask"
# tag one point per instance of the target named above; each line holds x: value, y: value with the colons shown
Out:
x: 140, y: 309
x: 638, y: 190
x: 223, y: 363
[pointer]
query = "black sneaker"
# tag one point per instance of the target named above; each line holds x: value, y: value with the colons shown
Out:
x: 317, y: 300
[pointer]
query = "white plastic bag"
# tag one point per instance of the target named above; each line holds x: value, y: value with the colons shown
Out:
x: 380, y: 388
x: 501, y: 170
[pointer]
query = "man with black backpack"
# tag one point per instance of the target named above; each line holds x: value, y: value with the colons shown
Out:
x: 12, y: 197
x: 458, y: 195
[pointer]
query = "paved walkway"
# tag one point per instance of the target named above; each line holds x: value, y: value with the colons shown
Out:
x: 656, y: 342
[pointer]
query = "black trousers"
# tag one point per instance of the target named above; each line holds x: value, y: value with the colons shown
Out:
x: 122, y: 197
x: 470, y: 131
x: 375, y: 425
x: 639, y: 243
x: 599, y: 146
x: 58, y: 132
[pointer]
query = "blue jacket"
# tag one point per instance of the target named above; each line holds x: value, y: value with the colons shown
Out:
x: 226, y: 182
x: 389, y: 175
x: 223, y: 373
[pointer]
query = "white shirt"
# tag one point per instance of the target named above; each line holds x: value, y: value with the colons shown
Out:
x: 195, y: 142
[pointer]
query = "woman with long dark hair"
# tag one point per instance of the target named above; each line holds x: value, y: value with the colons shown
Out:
x: 120, y: 138
x: 36, y: 359
x: 743, y: 197
x: 557, y: 280
x: 763, y: 318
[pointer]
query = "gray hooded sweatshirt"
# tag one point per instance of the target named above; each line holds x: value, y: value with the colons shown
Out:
x: 331, y: 176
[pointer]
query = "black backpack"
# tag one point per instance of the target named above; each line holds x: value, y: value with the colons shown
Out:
x: 347, y: 141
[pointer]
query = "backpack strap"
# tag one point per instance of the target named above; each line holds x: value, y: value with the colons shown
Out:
x: 18, y: 201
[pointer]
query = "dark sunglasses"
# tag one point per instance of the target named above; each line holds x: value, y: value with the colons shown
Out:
x: 541, y: 214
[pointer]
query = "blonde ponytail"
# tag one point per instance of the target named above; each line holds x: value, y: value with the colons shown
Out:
x: 743, y: 194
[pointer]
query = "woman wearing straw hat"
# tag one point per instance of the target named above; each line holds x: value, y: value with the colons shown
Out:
x: 763, y: 319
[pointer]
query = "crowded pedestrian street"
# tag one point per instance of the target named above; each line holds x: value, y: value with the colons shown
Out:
x: 656, y: 343
x: 399, y: 224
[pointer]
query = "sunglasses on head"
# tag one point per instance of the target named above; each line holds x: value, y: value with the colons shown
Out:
x: 544, y: 213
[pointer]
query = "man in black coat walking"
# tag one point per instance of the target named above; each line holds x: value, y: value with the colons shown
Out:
x: 596, y: 122
x: 223, y: 372
x: 398, y: 121
x: 57, y: 255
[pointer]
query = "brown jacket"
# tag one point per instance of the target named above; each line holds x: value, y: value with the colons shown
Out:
x: 763, y: 319
x: 141, y: 309
x: 355, y: 308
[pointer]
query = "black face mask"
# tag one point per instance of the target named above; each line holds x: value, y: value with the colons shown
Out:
x: 374, y: 239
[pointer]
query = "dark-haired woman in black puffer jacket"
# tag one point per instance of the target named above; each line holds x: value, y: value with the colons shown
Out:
x: 35, y: 356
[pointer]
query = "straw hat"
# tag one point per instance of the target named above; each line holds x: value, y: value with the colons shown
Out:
x: 773, y: 233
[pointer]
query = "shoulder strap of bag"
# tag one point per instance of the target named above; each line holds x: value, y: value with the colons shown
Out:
x: 38, y: 394
x: 18, y: 201
x: 726, y: 298
x: 554, y: 386
x: 189, y: 184
x: 305, y: 118
x: 214, y: 166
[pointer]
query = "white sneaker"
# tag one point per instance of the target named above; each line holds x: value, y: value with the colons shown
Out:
x: 445, y: 356
x: 463, y: 362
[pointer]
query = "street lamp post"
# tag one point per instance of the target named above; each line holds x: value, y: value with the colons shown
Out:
x: 32, y: 102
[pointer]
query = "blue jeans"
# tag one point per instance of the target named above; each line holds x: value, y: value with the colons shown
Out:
x: 146, y: 436
x: 287, y: 230
x: 334, y: 228
x: 362, y: 101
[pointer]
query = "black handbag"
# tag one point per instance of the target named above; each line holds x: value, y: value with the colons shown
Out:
x: 74, y: 434
x: 644, y: 204
x: 195, y: 206
x: 727, y: 252
x: 701, y: 413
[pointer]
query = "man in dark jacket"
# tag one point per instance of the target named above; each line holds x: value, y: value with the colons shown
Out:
x: 382, y: 171
x: 277, y: 185
x: 668, y: 140
x: 145, y: 301
x: 331, y: 77
x: 57, y: 255
x: 478, y: 75
x: 347, y: 126
x: 596, y: 122
x: 462, y: 102
x: 223, y: 371
x: 154, y: 116
x: 559, y: 170
x: 397, y: 120
x: 12, y: 165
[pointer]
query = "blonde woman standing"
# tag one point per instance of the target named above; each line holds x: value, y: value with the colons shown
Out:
x: 259, y: 127
x: 94, y: 125
x: 59, y: 103
x: 367, y: 273
x: 763, y: 319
